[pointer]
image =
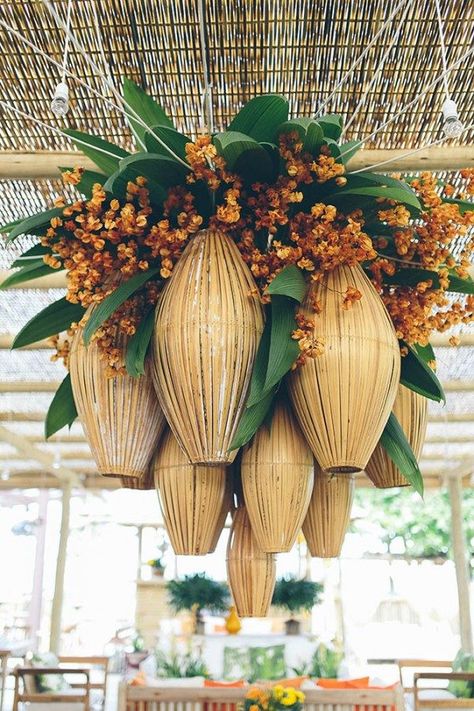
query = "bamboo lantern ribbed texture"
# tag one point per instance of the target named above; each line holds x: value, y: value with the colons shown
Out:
x: 411, y: 410
x: 144, y: 483
x: 227, y: 507
x: 343, y: 398
x: 191, y: 498
x: 277, y: 478
x: 121, y: 416
x: 329, y: 513
x: 250, y: 571
x: 207, y: 330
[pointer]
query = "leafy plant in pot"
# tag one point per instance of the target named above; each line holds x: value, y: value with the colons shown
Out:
x: 196, y: 593
x: 296, y: 595
x: 157, y: 567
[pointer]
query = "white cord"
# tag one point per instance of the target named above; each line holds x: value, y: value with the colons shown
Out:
x: 361, y: 57
x: 405, y: 155
x: 119, y: 98
x: 443, y: 47
x: 66, y: 40
x: 207, y: 117
x: 378, y: 69
x: 409, y: 105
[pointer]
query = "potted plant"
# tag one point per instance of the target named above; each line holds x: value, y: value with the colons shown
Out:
x: 179, y: 666
x: 325, y: 662
x: 295, y: 595
x: 197, y: 593
x: 157, y: 567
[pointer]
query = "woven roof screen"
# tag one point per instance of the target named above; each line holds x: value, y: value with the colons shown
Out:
x: 300, y: 48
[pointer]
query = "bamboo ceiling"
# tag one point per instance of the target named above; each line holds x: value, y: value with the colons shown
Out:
x: 300, y: 48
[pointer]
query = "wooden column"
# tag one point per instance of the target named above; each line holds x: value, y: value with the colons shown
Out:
x: 34, y: 616
x: 56, y: 610
x: 460, y: 562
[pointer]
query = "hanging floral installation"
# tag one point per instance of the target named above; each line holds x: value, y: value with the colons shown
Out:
x: 219, y: 277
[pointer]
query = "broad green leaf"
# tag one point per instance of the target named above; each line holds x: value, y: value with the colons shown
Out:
x: 30, y: 255
x: 399, y: 194
x: 138, y: 346
x: 419, y: 377
x: 33, y: 225
x: 150, y: 112
x: 244, y: 155
x: 398, y: 448
x: 412, y: 276
x: 300, y: 125
x: 160, y: 171
x: 349, y: 150
x: 464, y: 205
x: 426, y: 353
x: 62, y: 410
x: 331, y: 125
x: 8, y: 226
x: 259, y: 371
x: 55, y: 318
x: 369, y: 179
x: 261, y: 116
x: 289, y: 282
x: 88, y: 180
x: 34, y: 269
x: 252, y: 419
x: 284, y: 350
x: 175, y: 142
x: 274, y: 155
x: 105, y: 155
x: 459, y: 285
x: 110, y: 304
x: 309, y: 131
x: 334, y: 149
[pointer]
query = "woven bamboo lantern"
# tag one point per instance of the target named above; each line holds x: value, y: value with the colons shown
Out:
x: 343, y: 398
x: 250, y: 571
x: 277, y: 479
x: 207, y: 330
x: 411, y: 410
x: 227, y: 507
x: 191, y: 498
x: 329, y: 513
x: 144, y: 483
x: 121, y: 416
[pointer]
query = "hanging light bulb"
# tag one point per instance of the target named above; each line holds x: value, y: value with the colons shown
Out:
x: 60, y: 102
x: 452, y: 126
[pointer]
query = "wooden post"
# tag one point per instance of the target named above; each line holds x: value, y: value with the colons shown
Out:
x: 460, y: 563
x: 55, y: 637
x: 34, y: 616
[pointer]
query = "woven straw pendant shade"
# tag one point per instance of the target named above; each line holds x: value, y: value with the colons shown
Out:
x: 411, y: 410
x: 329, y: 513
x: 343, y: 397
x: 207, y: 330
x: 121, y: 416
x: 277, y: 479
x: 191, y: 498
x: 144, y: 483
x: 226, y: 508
x: 250, y: 571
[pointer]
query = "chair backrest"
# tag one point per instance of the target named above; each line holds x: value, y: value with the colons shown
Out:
x: 408, y: 667
x: 98, y: 667
x: 422, y: 680
x: 80, y: 695
x: 141, y: 698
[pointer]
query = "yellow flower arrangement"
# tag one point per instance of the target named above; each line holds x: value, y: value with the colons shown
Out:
x: 273, y: 698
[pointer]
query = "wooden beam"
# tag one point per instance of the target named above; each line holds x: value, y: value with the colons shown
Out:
x: 6, y: 342
x: 24, y: 165
x: 441, y: 340
x: 33, y: 386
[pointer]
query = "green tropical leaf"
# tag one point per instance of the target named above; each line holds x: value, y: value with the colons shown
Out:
x: 244, y: 155
x: 260, y: 117
x: 33, y: 225
x: 349, y: 150
x: 34, y: 269
x: 308, y: 130
x: 8, y: 226
x: 149, y: 110
x: 289, y: 282
x: 284, y: 350
x: 138, y: 346
x: 460, y: 285
x: 31, y: 254
x: 412, y: 276
x: 62, y: 410
x: 105, y: 155
x: 419, y: 377
x: 175, y: 142
x: 398, y: 448
x: 110, y: 304
x: 464, y: 205
x: 55, y: 318
x: 331, y: 125
x: 407, y: 198
x: 426, y: 353
x: 160, y: 171
x: 252, y: 419
x: 259, y: 371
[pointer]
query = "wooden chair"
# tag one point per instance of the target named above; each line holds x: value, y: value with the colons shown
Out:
x: 141, y: 698
x: 418, y: 665
x: 80, y: 693
x: 444, y: 703
x: 98, y: 667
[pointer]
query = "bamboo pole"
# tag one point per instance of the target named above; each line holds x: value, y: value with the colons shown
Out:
x: 56, y: 611
x: 461, y: 564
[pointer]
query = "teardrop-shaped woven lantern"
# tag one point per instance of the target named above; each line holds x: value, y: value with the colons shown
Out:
x: 329, y: 513
x: 144, y: 483
x: 277, y: 478
x: 411, y: 411
x: 343, y: 397
x: 191, y: 498
x: 207, y: 329
x: 250, y: 571
x: 121, y: 416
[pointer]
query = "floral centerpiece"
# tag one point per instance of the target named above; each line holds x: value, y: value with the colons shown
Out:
x: 157, y: 567
x: 274, y: 698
